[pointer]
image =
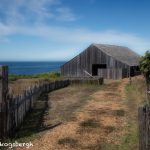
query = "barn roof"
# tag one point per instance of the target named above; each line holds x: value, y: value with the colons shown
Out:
x: 120, y: 53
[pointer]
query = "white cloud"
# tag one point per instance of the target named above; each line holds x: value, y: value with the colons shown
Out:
x: 65, y: 14
x: 77, y: 36
x: 29, y: 17
x: 34, y: 11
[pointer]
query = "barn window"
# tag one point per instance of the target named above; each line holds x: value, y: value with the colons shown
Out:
x: 95, y: 68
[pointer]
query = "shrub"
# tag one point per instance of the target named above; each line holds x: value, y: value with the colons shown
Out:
x: 145, y: 65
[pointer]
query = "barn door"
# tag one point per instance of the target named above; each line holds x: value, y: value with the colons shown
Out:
x: 95, y: 68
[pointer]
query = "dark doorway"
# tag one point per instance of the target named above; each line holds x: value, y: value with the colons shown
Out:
x: 134, y: 70
x: 95, y: 68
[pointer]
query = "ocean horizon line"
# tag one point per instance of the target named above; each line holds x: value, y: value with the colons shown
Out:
x: 32, y: 67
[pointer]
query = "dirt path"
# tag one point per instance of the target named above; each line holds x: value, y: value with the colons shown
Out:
x: 88, y: 118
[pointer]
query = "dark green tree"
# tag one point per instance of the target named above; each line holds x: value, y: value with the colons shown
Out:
x: 145, y: 66
x: 145, y: 69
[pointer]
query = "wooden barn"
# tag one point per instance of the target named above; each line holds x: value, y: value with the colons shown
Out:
x: 107, y: 61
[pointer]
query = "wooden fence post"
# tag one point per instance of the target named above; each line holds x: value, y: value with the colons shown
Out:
x: 148, y: 90
x: 144, y: 128
x: 3, y: 100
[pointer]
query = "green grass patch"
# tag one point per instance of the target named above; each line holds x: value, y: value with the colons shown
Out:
x: 130, y: 87
x: 130, y: 140
x: 135, y: 95
x: 49, y: 75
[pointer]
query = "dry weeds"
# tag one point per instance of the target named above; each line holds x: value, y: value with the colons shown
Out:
x: 91, y: 118
x: 19, y: 86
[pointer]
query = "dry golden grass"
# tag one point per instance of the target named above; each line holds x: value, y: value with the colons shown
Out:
x: 93, y: 118
x: 19, y: 86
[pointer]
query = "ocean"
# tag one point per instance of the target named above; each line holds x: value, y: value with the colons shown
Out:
x: 29, y: 68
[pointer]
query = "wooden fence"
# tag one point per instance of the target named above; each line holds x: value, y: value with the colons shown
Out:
x: 144, y: 122
x: 14, y: 109
x: 144, y: 127
x: 98, y: 81
x: 3, y: 98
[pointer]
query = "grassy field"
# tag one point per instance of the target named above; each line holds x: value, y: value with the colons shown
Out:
x: 19, y: 83
x: 49, y: 75
x: 87, y: 117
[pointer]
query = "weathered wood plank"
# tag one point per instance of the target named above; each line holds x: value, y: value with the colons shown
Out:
x: 3, y: 99
x: 144, y: 127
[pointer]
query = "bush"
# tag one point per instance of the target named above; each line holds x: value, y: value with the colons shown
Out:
x: 145, y: 65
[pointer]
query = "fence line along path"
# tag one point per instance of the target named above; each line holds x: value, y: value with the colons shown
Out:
x: 13, y: 109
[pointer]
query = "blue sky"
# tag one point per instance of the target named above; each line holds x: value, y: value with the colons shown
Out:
x: 50, y: 30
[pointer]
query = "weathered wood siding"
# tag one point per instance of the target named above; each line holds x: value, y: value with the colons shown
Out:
x: 92, y: 55
x: 110, y: 73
